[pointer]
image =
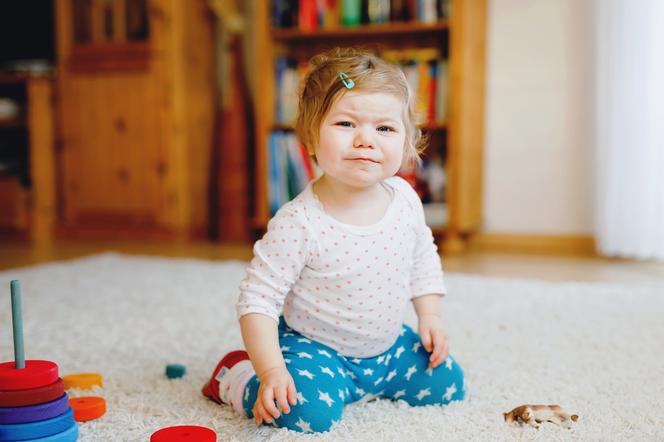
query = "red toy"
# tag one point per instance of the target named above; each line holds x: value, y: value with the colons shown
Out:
x: 184, y: 433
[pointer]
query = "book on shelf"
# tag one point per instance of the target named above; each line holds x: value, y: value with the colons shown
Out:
x: 290, y: 168
x: 288, y: 76
x: 310, y: 15
x: 441, y: 90
x: 285, y: 13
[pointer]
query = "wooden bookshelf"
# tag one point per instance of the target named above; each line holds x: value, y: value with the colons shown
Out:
x: 29, y: 210
x: 461, y: 38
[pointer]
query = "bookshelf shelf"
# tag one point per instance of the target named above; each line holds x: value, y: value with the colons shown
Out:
x: 19, y: 78
x: 434, y: 127
x: 438, y: 230
x: 13, y: 123
x: 456, y: 136
x: 382, y: 30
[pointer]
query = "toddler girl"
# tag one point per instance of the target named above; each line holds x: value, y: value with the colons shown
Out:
x: 322, y: 306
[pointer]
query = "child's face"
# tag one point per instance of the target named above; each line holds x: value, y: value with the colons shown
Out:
x: 362, y: 139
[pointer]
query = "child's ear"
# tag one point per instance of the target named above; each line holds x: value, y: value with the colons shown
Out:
x: 312, y: 152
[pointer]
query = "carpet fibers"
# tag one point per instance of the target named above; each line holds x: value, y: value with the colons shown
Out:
x: 597, y: 350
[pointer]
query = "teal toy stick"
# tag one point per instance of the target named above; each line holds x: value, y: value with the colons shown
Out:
x: 17, y: 323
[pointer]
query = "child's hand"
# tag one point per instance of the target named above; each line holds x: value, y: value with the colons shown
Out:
x: 434, y: 338
x: 275, y: 384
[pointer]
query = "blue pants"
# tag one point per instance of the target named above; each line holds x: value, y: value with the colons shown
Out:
x: 326, y: 380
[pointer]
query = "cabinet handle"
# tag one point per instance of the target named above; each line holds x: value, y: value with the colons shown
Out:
x: 162, y: 169
x: 120, y: 125
x: 123, y: 175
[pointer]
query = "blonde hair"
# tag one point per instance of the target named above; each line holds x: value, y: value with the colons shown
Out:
x: 322, y: 87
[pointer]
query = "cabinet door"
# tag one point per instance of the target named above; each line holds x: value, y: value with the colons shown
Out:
x: 110, y: 148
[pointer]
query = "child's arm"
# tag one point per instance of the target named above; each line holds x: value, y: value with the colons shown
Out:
x: 434, y: 335
x: 279, y: 257
x: 261, y: 339
x: 426, y: 281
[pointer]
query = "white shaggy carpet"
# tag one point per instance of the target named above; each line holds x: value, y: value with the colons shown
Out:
x: 597, y: 350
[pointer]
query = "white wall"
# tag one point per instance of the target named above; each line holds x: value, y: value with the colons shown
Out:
x: 538, y: 158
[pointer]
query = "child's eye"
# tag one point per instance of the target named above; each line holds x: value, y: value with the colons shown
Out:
x: 345, y: 124
x: 384, y: 129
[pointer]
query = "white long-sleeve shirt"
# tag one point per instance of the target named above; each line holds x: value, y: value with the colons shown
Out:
x: 343, y: 285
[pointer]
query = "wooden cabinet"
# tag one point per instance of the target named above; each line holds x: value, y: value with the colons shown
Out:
x: 136, y: 105
x: 460, y: 38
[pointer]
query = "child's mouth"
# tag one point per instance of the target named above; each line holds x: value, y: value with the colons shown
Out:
x: 364, y: 160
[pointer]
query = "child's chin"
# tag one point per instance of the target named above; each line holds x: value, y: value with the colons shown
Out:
x: 362, y: 182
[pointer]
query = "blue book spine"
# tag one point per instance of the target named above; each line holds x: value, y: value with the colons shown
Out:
x: 280, y: 66
x: 273, y: 187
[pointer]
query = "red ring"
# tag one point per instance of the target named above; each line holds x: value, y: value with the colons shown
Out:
x: 35, y: 374
x: 32, y: 396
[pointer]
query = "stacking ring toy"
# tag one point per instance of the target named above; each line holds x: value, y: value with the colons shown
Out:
x: 32, y: 396
x: 69, y: 435
x: 39, y: 429
x: 32, y: 413
x: 35, y: 374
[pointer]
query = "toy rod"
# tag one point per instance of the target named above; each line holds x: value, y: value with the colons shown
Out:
x: 17, y: 324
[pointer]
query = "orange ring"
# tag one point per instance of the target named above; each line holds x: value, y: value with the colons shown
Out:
x: 87, y: 408
x: 83, y: 381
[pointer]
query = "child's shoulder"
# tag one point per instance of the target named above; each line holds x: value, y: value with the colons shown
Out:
x: 398, y: 183
x: 296, y: 210
x: 402, y: 187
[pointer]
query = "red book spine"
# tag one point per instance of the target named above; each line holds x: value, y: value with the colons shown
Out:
x: 308, y: 15
x: 431, y: 111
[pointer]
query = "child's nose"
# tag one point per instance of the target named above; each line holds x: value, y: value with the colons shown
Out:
x: 363, y: 138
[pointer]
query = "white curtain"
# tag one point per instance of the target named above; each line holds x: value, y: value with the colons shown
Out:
x: 629, y: 129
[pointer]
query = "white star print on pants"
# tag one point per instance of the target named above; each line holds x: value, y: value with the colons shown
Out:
x: 325, y: 380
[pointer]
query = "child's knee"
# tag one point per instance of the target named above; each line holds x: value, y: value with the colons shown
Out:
x: 311, y: 417
x: 440, y: 386
x: 454, y: 382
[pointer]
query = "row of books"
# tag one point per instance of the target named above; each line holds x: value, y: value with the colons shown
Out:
x: 288, y: 76
x: 429, y: 179
x: 426, y: 72
x: 290, y: 168
x: 309, y: 15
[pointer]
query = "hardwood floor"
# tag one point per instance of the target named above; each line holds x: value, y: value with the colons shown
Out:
x: 531, y: 266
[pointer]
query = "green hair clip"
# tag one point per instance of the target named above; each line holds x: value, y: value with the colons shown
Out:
x: 346, y: 80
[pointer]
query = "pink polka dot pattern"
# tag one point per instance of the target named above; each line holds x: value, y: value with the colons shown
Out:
x: 345, y: 286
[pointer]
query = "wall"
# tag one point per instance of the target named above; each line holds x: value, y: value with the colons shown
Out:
x: 538, y: 157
